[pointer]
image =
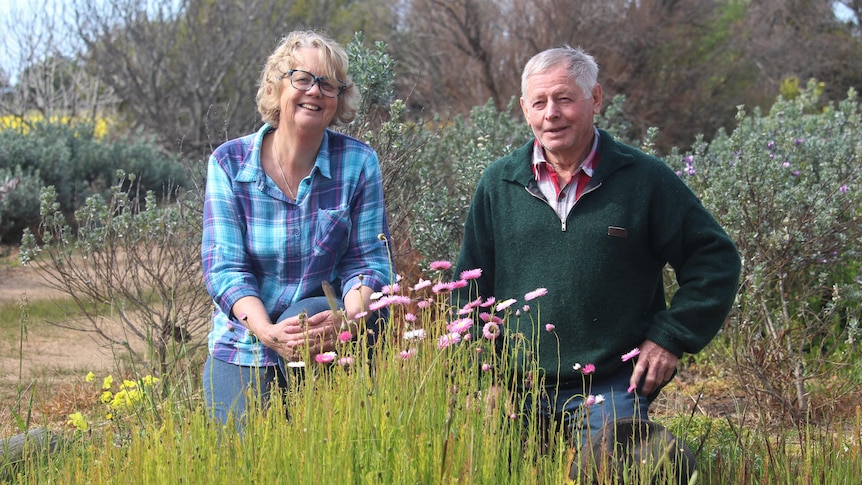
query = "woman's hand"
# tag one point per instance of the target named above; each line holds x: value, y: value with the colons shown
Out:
x: 313, y: 334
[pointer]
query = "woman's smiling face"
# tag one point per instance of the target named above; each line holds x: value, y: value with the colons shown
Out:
x: 306, y: 110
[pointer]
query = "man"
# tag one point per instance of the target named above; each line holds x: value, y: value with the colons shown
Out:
x: 594, y: 222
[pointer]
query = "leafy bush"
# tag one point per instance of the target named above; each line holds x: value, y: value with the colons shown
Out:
x: 70, y: 158
x: 19, y: 203
x: 142, y: 260
x: 787, y: 187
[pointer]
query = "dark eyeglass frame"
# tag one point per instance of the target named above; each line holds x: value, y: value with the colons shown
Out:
x: 319, y: 80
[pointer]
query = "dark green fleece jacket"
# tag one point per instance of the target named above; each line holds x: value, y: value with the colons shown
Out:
x: 602, y: 265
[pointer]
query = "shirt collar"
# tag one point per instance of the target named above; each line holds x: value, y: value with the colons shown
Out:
x: 540, y: 163
x: 253, y: 168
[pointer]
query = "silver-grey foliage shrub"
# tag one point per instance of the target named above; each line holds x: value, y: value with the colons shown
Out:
x: 786, y: 185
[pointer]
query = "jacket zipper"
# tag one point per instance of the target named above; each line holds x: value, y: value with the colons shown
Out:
x: 563, y: 224
x: 585, y: 192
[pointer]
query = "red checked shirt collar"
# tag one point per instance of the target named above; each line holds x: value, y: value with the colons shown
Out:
x: 549, y: 182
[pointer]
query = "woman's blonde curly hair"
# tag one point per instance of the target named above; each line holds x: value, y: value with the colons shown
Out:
x: 331, y: 55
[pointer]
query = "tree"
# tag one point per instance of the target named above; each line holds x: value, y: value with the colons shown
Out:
x: 683, y: 65
x: 50, y: 81
x: 186, y: 71
x: 804, y: 40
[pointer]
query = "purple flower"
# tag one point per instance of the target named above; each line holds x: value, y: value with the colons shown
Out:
x: 440, y: 287
x: 843, y: 189
x: 491, y: 331
x: 421, y: 284
x: 456, y: 284
x: 460, y: 326
x: 550, y: 327
x: 631, y: 354
x: 506, y: 304
x: 389, y: 300
x: 488, y: 302
x: 325, y: 357
x: 391, y: 289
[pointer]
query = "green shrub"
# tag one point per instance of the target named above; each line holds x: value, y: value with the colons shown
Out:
x: 69, y: 158
x: 19, y: 203
x: 787, y: 188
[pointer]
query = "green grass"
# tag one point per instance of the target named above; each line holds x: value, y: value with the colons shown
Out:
x: 51, y: 310
x: 422, y: 419
x: 399, y: 423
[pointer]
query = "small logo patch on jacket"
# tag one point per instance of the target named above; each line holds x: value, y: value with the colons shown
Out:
x: 618, y: 231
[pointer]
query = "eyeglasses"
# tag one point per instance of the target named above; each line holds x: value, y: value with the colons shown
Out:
x: 304, y: 81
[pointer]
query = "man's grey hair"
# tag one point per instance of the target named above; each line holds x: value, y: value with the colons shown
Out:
x: 581, y: 66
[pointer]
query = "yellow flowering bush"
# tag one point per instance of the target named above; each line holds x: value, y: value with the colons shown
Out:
x: 22, y: 124
x: 124, y: 400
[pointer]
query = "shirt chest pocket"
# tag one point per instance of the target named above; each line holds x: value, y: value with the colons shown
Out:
x: 331, y: 231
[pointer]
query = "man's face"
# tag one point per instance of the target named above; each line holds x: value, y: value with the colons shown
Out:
x: 560, y: 115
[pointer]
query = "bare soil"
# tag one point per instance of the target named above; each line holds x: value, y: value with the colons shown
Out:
x: 46, y: 347
x: 43, y: 369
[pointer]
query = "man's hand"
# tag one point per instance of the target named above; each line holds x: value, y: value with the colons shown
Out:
x: 655, y: 366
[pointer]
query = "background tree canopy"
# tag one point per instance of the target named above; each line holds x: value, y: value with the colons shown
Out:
x: 186, y: 71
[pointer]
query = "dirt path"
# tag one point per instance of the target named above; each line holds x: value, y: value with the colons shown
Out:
x: 47, y: 351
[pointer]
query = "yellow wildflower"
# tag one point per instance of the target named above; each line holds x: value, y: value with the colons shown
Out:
x: 77, y: 420
x: 90, y: 377
x: 127, y: 384
x: 149, y: 380
x: 108, y: 382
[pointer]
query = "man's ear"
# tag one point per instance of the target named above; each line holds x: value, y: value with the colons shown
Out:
x: 524, y: 110
x: 597, y: 99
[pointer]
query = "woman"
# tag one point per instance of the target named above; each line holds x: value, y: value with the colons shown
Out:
x: 288, y: 209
